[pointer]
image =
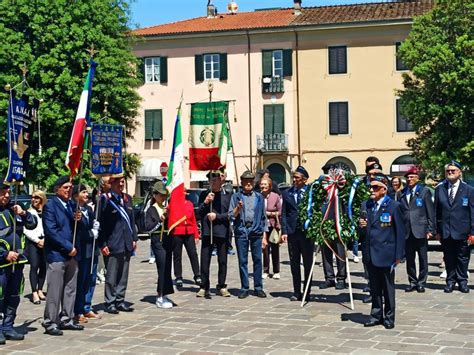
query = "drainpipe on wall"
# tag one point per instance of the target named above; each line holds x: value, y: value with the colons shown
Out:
x: 298, y: 128
x: 250, y: 98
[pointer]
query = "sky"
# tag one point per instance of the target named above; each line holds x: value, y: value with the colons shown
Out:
x: 154, y: 12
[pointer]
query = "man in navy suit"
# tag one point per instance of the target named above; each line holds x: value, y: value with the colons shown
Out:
x: 454, y: 205
x: 292, y: 231
x: 58, y: 223
x: 384, y: 243
x: 418, y: 210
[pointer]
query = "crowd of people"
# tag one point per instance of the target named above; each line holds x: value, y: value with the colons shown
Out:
x: 69, y: 236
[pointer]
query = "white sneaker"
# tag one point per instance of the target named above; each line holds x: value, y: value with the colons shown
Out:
x: 356, y: 259
x: 265, y: 275
x: 443, y: 274
x: 276, y: 276
x: 163, y: 302
x: 151, y: 261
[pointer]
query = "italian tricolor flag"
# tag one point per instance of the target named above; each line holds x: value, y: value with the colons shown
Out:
x: 76, y: 144
x: 209, y: 136
x: 175, y: 179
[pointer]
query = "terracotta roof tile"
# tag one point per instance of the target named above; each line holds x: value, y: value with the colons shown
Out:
x: 279, y: 18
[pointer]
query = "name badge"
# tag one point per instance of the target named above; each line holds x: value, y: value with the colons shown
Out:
x: 465, y: 201
x: 386, y: 217
x: 419, y: 202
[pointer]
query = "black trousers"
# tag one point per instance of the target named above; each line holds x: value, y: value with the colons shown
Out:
x: 382, y: 290
x: 37, y: 259
x: 273, y: 250
x: 206, y: 255
x: 300, y: 247
x: 328, y: 267
x: 456, y: 258
x: 190, y: 245
x: 412, y: 246
x: 163, y: 250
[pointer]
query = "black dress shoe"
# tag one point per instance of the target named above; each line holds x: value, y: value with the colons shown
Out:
x: 373, y: 323
x: 368, y: 299
x: 448, y: 288
x: 295, y: 298
x: 420, y: 289
x: 53, y: 331
x: 13, y: 335
x: 366, y: 289
x: 464, y: 289
x: 327, y: 284
x: 340, y: 285
x: 123, y: 308
x: 261, y: 294
x: 179, y: 283
x: 389, y: 325
x: 71, y: 326
x: 411, y: 288
x: 2, y: 339
x: 243, y: 294
x: 111, y: 310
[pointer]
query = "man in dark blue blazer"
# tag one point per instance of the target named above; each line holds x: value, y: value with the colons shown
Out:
x: 292, y: 231
x: 58, y: 223
x: 454, y: 205
x: 383, y: 228
x: 418, y: 210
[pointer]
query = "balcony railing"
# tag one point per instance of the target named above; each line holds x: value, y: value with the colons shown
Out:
x: 276, y: 142
x: 272, y: 85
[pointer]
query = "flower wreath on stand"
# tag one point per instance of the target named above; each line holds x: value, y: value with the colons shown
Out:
x: 344, y: 193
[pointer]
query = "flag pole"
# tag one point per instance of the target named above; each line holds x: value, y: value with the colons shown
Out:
x: 96, y: 213
x: 14, y: 225
x: 308, y: 282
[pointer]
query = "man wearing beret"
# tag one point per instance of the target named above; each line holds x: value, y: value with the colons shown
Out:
x: 247, y: 212
x: 383, y: 228
x: 418, y: 211
x: 292, y: 231
x: 58, y: 222
x: 12, y: 260
x: 117, y: 240
x: 454, y: 205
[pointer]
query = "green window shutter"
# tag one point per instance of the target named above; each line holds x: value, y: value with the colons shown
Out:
x: 267, y: 119
x: 267, y: 63
x: 163, y: 70
x: 279, y: 119
x: 148, y: 124
x: 141, y: 70
x: 287, y: 62
x: 158, y: 124
x: 223, y: 64
x: 338, y: 118
x: 199, y: 67
x: 403, y: 125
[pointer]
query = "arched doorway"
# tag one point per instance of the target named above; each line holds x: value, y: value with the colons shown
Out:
x: 402, y: 164
x: 343, y: 163
x: 277, y: 173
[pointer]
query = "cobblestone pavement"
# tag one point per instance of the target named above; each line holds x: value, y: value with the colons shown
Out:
x: 425, y: 323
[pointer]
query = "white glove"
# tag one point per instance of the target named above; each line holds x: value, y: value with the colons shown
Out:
x: 95, y: 229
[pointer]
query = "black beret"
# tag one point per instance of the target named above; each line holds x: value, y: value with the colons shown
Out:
x: 78, y: 188
x: 373, y: 166
x: 4, y: 185
x: 300, y: 169
x: 61, y: 181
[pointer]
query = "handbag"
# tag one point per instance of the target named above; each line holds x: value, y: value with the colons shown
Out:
x: 275, y: 235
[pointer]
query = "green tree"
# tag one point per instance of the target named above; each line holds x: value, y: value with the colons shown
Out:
x: 438, y: 92
x: 51, y: 37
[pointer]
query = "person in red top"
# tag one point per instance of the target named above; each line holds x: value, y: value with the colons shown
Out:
x: 186, y: 233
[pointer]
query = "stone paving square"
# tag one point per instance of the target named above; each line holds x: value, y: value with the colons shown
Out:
x: 433, y: 322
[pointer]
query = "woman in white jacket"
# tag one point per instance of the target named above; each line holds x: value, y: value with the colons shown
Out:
x: 34, y: 248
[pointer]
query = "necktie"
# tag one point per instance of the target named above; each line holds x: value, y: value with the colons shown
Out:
x: 412, y: 194
x: 451, y: 194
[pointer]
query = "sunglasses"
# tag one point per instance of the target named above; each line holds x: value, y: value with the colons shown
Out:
x: 375, y: 187
x: 36, y: 197
x: 451, y: 171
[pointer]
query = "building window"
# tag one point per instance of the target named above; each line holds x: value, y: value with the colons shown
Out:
x: 210, y: 66
x: 403, y: 125
x: 400, y: 65
x: 152, y: 70
x: 277, y: 63
x: 153, y: 124
x: 337, y: 60
x: 338, y: 118
x: 273, y: 119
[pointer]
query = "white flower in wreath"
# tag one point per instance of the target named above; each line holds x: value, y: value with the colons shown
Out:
x: 207, y: 137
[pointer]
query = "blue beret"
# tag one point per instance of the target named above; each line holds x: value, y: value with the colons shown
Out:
x: 61, y: 181
x: 455, y: 163
x: 4, y: 185
x: 300, y: 169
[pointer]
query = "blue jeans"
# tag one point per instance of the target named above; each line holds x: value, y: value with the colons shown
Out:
x: 242, y: 244
x: 85, y: 286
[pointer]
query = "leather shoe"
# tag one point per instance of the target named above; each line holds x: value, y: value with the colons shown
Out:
x: 340, y: 285
x: 448, y: 288
x: 373, y: 323
x: 71, y: 326
x: 295, y: 298
x: 261, y: 294
x: 12, y: 334
x: 327, y: 284
x: 411, y: 288
x: 388, y: 325
x: 464, y: 289
x: 123, y: 308
x: 54, y: 331
x: 111, y: 310
x: 243, y: 294
x: 420, y: 289
x: 368, y: 299
x: 2, y: 339
x: 366, y: 289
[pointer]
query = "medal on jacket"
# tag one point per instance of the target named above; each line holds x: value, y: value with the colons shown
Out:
x: 385, y: 219
x: 465, y: 202
x: 419, y: 202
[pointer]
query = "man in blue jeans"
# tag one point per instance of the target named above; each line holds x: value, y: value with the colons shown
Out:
x: 246, y: 211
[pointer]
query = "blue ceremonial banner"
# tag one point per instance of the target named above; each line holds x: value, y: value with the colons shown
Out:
x: 21, y: 119
x: 106, y: 149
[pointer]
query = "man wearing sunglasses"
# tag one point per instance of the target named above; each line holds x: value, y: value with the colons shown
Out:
x: 383, y: 228
x: 454, y: 205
